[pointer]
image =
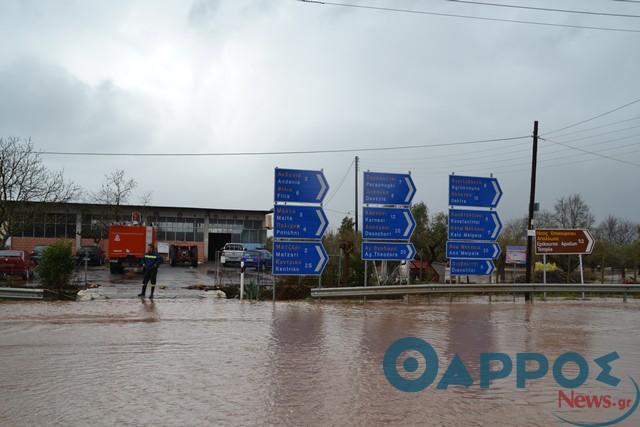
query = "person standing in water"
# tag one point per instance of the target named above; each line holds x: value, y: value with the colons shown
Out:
x: 150, y: 264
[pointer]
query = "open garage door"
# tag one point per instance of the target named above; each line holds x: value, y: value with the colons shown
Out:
x: 217, y: 242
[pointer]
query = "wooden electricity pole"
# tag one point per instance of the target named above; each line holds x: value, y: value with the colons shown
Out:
x: 532, y: 201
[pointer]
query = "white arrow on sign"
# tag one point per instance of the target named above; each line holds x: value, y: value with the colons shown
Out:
x: 409, y: 224
x: 590, y: 241
x: 496, y: 250
x: 322, y: 258
x: 494, y: 235
x: 411, y: 189
x: 411, y: 252
x: 322, y: 222
x: 498, y: 192
x: 323, y: 187
x: 489, y: 267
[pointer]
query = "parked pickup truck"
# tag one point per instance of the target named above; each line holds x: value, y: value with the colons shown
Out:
x: 232, y: 253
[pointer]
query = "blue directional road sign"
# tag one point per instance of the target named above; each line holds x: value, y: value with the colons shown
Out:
x: 381, y: 251
x: 299, y: 222
x: 474, y: 225
x: 474, y: 191
x: 301, y: 186
x: 298, y: 258
x: 388, y: 188
x: 471, y: 267
x: 473, y: 250
x: 387, y: 223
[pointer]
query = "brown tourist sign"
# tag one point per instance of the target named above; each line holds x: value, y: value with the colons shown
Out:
x: 556, y: 241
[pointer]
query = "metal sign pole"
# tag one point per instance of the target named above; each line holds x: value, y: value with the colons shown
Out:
x: 581, y: 273
x: 513, y: 278
x: 365, y: 273
x: 241, y: 280
x: 544, y: 273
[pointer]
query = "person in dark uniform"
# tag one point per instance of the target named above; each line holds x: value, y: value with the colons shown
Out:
x: 150, y: 264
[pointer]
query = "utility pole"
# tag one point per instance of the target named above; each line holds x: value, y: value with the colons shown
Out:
x: 356, y: 212
x: 532, y: 201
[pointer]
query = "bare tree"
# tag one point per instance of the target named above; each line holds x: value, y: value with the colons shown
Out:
x: 145, y: 199
x: 145, y: 202
x: 545, y: 219
x: 24, y: 179
x: 573, y: 212
x: 115, y: 191
x: 515, y: 231
x: 617, y: 231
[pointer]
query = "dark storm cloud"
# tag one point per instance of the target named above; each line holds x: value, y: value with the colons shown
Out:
x: 60, y: 113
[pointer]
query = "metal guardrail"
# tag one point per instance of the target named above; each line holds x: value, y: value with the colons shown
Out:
x: 20, y: 293
x: 361, y: 291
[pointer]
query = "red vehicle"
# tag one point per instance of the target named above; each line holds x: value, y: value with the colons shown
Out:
x: 128, y: 244
x: 179, y: 254
x: 16, y: 263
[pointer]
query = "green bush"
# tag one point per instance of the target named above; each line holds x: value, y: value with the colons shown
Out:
x: 56, y: 266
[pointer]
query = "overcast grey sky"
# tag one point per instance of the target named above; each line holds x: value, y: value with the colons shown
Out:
x: 268, y: 75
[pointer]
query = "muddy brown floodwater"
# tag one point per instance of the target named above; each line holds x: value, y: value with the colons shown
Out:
x: 219, y: 362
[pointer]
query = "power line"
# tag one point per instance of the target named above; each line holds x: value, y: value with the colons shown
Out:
x: 582, y: 138
x: 595, y: 153
x: 513, y: 148
x: 500, y: 166
x: 279, y: 153
x: 517, y: 167
x: 338, y: 211
x: 597, y: 127
x: 545, y: 9
x: 463, y: 161
x: 341, y: 183
x: 467, y: 155
x: 481, y: 18
x: 498, y: 163
x: 635, y: 101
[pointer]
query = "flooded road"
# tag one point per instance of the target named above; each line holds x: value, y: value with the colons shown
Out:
x: 220, y: 362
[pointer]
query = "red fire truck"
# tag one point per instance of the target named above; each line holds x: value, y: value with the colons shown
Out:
x: 128, y: 244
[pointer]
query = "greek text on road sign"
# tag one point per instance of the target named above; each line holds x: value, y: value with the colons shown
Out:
x: 387, y: 223
x: 565, y: 242
x: 473, y: 250
x: 381, y: 251
x: 300, y: 186
x: 298, y: 258
x: 474, y: 191
x: 388, y: 188
x: 471, y: 267
x: 299, y: 222
x: 474, y: 225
